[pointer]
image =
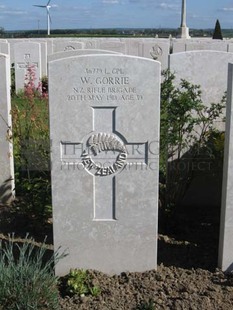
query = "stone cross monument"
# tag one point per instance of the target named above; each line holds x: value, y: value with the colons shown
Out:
x: 184, y: 30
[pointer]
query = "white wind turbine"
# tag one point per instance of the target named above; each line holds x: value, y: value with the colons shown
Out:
x: 47, y: 7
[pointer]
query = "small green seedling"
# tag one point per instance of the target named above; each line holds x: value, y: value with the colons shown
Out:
x: 79, y: 282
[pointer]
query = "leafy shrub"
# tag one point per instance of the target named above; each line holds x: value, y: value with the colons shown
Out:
x: 79, y: 282
x: 32, y: 148
x: 187, y: 124
x: 25, y: 281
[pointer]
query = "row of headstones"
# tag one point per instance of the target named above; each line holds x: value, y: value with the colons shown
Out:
x: 23, y: 52
x: 198, y: 67
x: 105, y: 207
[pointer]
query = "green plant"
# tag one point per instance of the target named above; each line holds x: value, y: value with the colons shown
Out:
x: 79, y: 282
x: 26, y: 280
x: 146, y: 305
x: 32, y: 148
x: 186, y: 126
x: 95, y: 291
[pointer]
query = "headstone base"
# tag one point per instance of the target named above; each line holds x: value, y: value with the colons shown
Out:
x: 184, y: 33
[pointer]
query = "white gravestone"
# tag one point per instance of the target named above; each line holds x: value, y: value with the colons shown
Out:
x: 5, y: 48
x: 116, y: 45
x: 12, y: 42
x: 65, y: 45
x: 157, y: 50
x: 205, y: 68
x: 104, y: 124
x: 6, y: 147
x: 226, y: 224
x: 44, y: 54
x: 26, y: 54
x: 215, y: 45
x: 134, y: 47
x: 178, y: 45
x: 60, y: 55
x: 89, y: 43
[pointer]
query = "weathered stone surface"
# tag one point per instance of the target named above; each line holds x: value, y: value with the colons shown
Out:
x: 6, y: 148
x: 104, y: 122
x: 226, y: 225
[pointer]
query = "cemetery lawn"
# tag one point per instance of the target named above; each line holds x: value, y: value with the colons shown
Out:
x: 187, y: 277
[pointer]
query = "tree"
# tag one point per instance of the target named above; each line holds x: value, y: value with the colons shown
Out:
x: 217, y: 31
x: 2, y: 31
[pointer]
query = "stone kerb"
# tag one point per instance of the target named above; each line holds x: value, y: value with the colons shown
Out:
x: 226, y: 223
x: 6, y: 147
x: 26, y: 54
x: 104, y: 125
x: 60, y: 55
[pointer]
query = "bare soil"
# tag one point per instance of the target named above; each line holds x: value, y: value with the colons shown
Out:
x: 187, y: 276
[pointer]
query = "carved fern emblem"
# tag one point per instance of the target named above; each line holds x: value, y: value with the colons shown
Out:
x: 105, y: 142
x: 100, y: 142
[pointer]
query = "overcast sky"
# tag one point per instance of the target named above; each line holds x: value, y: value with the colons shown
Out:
x: 21, y: 14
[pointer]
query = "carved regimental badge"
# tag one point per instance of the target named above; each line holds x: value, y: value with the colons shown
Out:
x: 105, y: 154
x: 156, y: 51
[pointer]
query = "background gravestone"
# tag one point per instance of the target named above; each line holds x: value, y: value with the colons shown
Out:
x: 60, y: 55
x: 12, y: 42
x: 178, y: 45
x: 4, y: 48
x: 112, y: 45
x: 216, y: 45
x: 134, y: 47
x: 6, y: 149
x: 226, y: 225
x: 104, y: 124
x: 89, y: 43
x: 66, y: 45
x: 209, y: 69
x: 44, y: 53
x: 26, y: 54
x: 157, y: 50
x: 205, y: 68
